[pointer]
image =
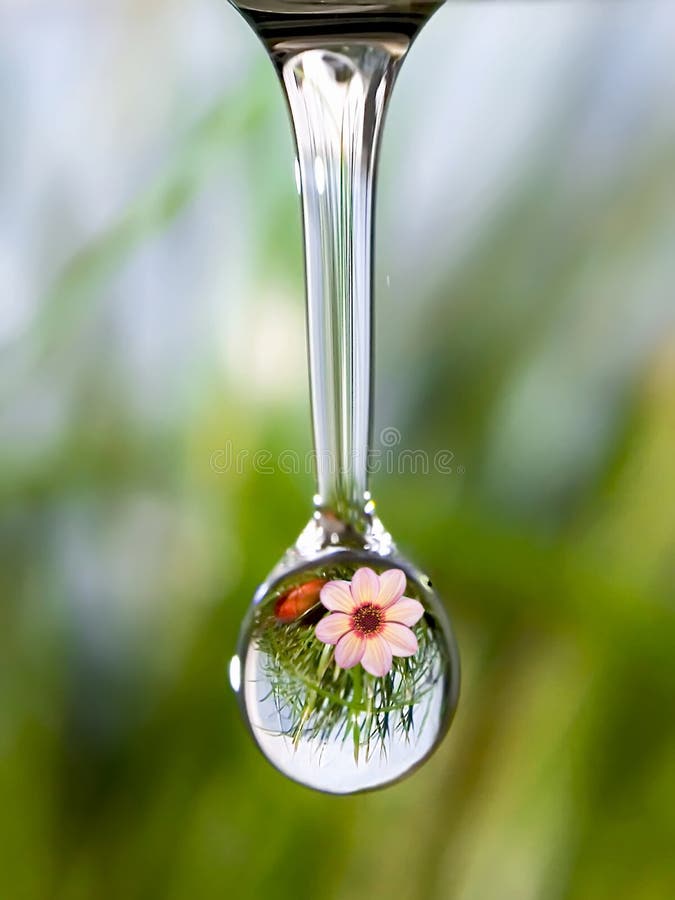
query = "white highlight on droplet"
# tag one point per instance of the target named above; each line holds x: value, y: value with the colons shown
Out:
x: 319, y: 175
x: 235, y: 673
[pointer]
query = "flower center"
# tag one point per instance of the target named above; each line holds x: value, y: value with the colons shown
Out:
x: 367, y: 619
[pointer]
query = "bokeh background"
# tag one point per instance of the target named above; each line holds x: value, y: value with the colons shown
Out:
x: 152, y: 311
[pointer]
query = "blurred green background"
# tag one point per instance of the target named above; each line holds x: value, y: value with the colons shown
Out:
x: 152, y: 312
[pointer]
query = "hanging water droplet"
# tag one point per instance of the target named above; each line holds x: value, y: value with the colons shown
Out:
x: 347, y: 671
x: 350, y: 676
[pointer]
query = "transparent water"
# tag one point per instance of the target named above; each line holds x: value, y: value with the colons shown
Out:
x: 364, y: 709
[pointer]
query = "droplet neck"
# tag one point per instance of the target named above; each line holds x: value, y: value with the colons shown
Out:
x: 337, y: 97
x: 337, y: 60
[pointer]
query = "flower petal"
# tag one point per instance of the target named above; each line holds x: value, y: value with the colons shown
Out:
x: 336, y: 596
x: 392, y: 585
x: 365, y: 586
x: 406, y: 611
x: 377, y: 657
x: 349, y: 650
x: 331, y: 628
x: 401, y: 640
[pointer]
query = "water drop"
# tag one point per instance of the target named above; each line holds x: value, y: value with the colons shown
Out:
x: 327, y: 719
x: 347, y: 671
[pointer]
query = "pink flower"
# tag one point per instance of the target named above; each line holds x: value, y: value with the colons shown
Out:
x: 369, y: 620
